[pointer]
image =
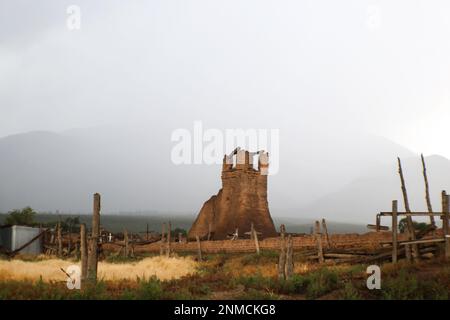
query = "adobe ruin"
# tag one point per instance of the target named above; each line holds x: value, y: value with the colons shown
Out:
x: 241, y: 201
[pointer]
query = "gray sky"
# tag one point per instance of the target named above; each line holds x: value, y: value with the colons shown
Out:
x: 378, y: 67
x: 382, y: 66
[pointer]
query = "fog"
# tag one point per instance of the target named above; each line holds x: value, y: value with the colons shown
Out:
x: 349, y: 84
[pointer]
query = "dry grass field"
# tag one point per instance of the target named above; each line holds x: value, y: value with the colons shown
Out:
x: 223, y: 276
x: 49, y: 269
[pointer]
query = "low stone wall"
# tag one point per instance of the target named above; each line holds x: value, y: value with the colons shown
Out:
x: 368, y: 240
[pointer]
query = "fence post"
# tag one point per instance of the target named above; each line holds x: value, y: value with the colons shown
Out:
x: 325, y: 230
x: 125, y: 241
x: 411, y: 250
x: 282, y: 258
x: 394, y: 232
x: 59, y: 239
x: 318, y: 236
x: 289, y: 258
x: 445, y: 222
x: 83, y: 253
x: 163, y: 239
x: 427, y: 192
x: 169, y: 239
x: 93, y: 247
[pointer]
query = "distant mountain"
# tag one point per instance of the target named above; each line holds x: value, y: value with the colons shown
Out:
x: 137, y: 223
x: 132, y: 169
x: 360, y: 200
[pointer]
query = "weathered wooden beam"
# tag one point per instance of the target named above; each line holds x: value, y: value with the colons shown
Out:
x: 282, y: 257
x: 169, y: 239
x: 289, y: 258
x: 394, y: 232
x: 427, y: 191
x: 405, y: 243
x: 59, y: 238
x: 445, y: 222
x: 318, y: 237
x: 380, y: 227
x: 163, y: 239
x: 341, y: 255
x: 325, y: 231
x: 93, y: 243
x: 126, y: 242
x: 412, y: 214
x: 83, y: 253
x: 69, y: 243
x: 414, y: 251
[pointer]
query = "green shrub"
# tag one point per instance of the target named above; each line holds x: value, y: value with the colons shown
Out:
x: 321, y: 282
x: 433, y: 290
x: 297, y: 284
x: 256, y: 281
x: 402, y: 287
x: 350, y: 292
x: 150, y: 289
x: 96, y: 291
x: 24, y: 217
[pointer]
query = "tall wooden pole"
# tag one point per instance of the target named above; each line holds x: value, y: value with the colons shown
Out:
x: 409, y: 221
x: 445, y: 222
x: 394, y: 232
x: 84, y: 253
x: 318, y: 236
x: 163, y: 239
x: 325, y: 231
x: 282, y: 258
x: 59, y: 239
x: 289, y: 258
x: 125, y: 241
x: 69, y: 240
x: 427, y: 191
x: 169, y: 239
x: 93, y: 243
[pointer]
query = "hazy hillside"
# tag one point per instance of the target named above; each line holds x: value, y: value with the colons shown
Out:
x: 137, y: 223
x: 361, y: 199
x: 132, y: 169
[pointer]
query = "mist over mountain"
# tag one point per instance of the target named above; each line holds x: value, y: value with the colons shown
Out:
x: 342, y: 176
x: 361, y: 199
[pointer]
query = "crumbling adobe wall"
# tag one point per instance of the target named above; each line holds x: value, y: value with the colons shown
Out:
x: 241, y: 201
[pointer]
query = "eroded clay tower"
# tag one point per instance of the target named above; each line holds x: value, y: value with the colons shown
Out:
x: 241, y: 201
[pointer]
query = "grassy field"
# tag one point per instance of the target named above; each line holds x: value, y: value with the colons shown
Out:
x: 220, y: 276
x: 50, y: 269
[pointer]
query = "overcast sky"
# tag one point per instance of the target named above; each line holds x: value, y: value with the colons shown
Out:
x: 377, y: 66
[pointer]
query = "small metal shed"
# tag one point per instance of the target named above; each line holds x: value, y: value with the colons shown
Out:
x: 14, y: 237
